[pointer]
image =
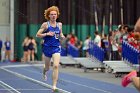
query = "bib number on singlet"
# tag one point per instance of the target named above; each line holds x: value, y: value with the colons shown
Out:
x: 56, y: 36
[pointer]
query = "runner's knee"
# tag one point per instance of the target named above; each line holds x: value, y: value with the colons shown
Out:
x: 55, y: 67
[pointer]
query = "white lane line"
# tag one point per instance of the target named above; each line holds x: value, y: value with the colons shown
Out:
x: 33, y: 80
x: 67, y: 81
x: 93, y: 88
x: 8, y: 87
x: 23, y: 65
x: 29, y: 89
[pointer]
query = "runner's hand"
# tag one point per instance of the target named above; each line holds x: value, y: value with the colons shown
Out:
x: 50, y: 33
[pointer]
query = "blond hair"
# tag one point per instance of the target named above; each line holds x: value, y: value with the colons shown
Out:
x: 52, y: 8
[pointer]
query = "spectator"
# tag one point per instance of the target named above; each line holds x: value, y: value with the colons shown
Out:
x: 105, y: 46
x: 97, y: 39
x: 125, y: 32
x: 25, y: 49
x: 86, y: 45
x: 135, y: 43
x: 31, y: 48
x: 72, y: 39
x: 7, y: 49
x: 115, y: 53
x: 130, y: 36
x: 110, y: 38
x: 0, y: 48
x: 78, y: 44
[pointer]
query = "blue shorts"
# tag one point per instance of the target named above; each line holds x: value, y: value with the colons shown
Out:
x: 49, y: 51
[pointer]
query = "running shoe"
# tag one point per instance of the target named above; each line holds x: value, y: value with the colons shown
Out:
x: 44, y: 74
x: 127, y: 78
x: 54, y: 89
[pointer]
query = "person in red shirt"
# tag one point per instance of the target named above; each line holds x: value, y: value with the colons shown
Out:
x: 72, y: 39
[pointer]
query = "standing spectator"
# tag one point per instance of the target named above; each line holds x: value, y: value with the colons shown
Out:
x: 118, y: 34
x: 31, y: 48
x: 130, y: 37
x: 115, y: 53
x: 78, y: 44
x: 125, y: 32
x: 25, y: 49
x: 97, y: 39
x: 86, y: 45
x: 72, y: 40
x: 105, y: 46
x: 7, y: 49
x: 0, y: 48
x: 110, y: 38
x: 119, y: 37
x: 114, y: 46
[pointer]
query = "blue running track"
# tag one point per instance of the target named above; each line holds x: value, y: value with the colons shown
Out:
x: 27, y: 78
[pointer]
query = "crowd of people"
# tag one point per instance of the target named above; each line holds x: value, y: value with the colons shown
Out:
x: 111, y: 43
x: 126, y: 33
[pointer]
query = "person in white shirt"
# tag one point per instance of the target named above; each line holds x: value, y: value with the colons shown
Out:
x: 97, y: 39
x: 86, y: 45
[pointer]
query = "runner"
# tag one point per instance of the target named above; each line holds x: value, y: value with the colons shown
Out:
x: 51, y: 32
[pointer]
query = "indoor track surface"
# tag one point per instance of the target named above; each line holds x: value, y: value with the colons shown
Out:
x: 27, y: 78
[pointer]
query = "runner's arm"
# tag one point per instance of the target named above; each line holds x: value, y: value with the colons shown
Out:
x: 40, y: 33
x: 61, y: 33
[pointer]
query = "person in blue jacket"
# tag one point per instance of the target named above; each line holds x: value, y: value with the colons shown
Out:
x: 51, y: 32
x: 7, y: 44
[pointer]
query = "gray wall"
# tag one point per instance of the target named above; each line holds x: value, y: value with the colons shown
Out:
x: 4, y: 19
